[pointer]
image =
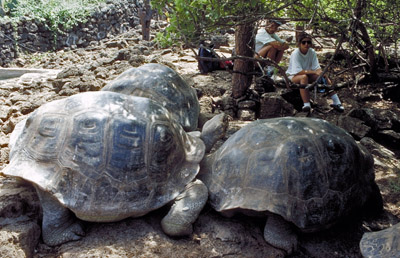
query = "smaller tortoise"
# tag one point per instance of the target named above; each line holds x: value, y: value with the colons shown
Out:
x: 298, y: 172
x: 165, y: 86
x: 107, y: 156
x: 384, y: 243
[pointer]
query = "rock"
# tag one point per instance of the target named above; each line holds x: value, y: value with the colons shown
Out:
x: 247, y: 104
x: 4, y: 151
x: 19, y: 239
x: 354, y: 126
x: 273, y: 105
x: 389, y: 137
x: 3, y: 140
x: 264, y: 84
x: 227, y: 102
x: 4, y: 112
x: 378, y: 119
x: 246, y: 114
x: 8, y: 127
x: 19, y: 215
x: 70, y: 72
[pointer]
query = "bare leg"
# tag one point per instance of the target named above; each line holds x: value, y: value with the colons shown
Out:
x: 185, y: 210
x: 58, y: 226
x: 264, y: 51
x: 272, y: 53
x: 302, y: 80
x: 305, y: 95
x: 279, y: 56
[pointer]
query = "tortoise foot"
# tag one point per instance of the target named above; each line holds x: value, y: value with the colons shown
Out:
x: 56, y: 236
x: 279, y: 233
x: 59, y: 225
x: 185, y: 210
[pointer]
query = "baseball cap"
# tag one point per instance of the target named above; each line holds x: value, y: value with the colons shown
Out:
x: 277, y: 22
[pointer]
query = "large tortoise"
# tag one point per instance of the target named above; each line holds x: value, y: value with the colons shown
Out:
x: 384, y: 243
x: 295, y: 171
x: 164, y: 85
x: 107, y: 156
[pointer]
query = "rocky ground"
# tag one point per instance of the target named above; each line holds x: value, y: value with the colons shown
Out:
x: 78, y: 70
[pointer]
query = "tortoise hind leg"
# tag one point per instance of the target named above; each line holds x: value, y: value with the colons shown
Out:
x: 279, y: 233
x: 58, y: 225
x: 185, y: 210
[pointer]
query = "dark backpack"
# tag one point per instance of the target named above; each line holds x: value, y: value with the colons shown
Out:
x: 207, y: 66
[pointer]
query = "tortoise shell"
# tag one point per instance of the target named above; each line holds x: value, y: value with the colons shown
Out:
x: 104, y: 155
x: 306, y: 170
x: 164, y: 85
x: 384, y: 243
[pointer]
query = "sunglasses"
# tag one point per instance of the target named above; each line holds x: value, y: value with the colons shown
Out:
x: 306, y: 42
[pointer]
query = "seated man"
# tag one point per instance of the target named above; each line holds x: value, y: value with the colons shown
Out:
x: 268, y: 44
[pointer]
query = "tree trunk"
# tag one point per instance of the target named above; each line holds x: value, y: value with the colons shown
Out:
x: 244, y: 45
x: 368, y: 48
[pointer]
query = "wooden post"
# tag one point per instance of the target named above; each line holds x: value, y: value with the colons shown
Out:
x: 145, y: 18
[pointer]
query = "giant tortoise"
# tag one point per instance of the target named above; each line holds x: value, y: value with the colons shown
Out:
x: 300, y: 172
x: 164, y: 85
x: 107, y: 156
x: 384, y: 243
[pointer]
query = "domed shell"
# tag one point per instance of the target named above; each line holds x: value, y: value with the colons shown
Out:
x: 164, y: 85
x: 306, y: 170
x: 106, y: 156
x: 384, y: 243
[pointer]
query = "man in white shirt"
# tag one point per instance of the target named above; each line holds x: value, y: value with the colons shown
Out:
x: 268, y: 44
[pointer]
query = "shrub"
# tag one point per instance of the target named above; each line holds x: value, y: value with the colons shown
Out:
x: 57, y: 15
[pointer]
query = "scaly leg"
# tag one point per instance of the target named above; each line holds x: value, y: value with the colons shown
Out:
x: 279, y: 233
x: 59, y: 225
x: 185, y: 210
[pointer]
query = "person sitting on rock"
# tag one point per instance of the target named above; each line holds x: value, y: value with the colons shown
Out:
x: 304, y: 68
x: 270, y: 45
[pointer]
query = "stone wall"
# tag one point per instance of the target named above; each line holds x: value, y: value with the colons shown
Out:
x: 29, y: 35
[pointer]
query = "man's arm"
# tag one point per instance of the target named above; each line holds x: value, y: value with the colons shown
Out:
x: 279, y: 45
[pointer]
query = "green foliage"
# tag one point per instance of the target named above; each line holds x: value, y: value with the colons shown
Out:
x: 190, y: 20
x: 56, y: 15
x: 381, y: 18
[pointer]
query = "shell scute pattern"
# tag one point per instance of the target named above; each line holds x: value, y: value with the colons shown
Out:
x: 306, y: 170
x: 87, y: 139
x: 383, y: 243
x: 47, y: 143
x: 127, y: 151
x: 105, y: 152
x: 164, y: 85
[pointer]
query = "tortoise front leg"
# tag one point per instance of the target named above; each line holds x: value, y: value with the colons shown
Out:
x: 59, y: 225
x: 185, y: 210
x: 280, y: 234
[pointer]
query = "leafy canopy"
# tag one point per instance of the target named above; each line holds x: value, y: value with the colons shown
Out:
x: 190, y: 20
